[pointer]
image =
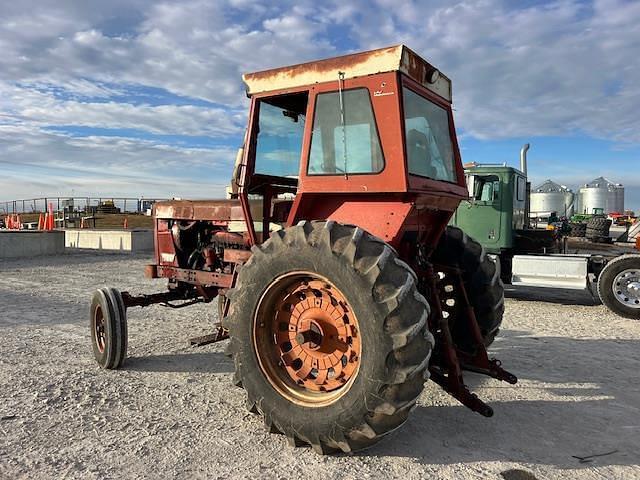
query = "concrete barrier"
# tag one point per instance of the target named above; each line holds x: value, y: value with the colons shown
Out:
x: 114, y: 240
x: 25, y: 243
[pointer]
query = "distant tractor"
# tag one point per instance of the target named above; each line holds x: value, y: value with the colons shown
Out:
x: 497, y: 216
x: 583, y: 217
x: 340, y: 286
x: 107, y: 207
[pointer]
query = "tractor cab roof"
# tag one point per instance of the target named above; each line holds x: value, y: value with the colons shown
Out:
x: 397, y: 58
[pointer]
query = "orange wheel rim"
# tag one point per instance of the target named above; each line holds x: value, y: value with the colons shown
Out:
x: 307, y: 339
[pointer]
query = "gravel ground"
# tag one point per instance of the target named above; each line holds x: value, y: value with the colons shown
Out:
x: 172, y: 412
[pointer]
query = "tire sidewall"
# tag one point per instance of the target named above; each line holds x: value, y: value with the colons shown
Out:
x: 605, y: 286
x: 100, y: 300
x: 376, y: 346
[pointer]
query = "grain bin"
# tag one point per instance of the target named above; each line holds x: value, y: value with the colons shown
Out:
x: 600, y: 193
x: 619, y: 198
x: 552, y: 197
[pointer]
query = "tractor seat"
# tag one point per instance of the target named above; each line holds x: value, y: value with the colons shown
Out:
x: 419, y: 153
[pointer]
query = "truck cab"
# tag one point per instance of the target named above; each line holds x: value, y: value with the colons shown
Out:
x: 495, y: 210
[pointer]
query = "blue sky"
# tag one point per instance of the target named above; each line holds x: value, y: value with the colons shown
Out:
x: 140, y: 97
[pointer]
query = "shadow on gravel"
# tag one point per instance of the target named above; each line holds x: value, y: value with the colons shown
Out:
x: 576, y: 397
x: 206, y: 362
x: 550, y: 295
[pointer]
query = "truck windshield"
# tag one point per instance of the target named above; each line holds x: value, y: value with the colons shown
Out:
x: 429, y: 147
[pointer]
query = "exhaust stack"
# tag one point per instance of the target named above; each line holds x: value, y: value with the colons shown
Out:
x: 523, y: 158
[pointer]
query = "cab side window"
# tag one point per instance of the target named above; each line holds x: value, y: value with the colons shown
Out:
x: 521, y: 189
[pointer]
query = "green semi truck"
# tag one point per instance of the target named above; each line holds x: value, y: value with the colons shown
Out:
x: 497, y: 215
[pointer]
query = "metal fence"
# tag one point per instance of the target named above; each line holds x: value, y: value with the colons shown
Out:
x: 82, y: 204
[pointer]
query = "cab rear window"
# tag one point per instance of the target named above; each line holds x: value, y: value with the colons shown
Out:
x: 344, y: 142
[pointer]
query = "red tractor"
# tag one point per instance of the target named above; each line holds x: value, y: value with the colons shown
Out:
x: 340, y: 286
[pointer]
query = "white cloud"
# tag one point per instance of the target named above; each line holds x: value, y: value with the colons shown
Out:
x: 41, y: 108
x: 193, y: 48
x: 542, y: 70
x: 559, y: 68
x: 58, y: 164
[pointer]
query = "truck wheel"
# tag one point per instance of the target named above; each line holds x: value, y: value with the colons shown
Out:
x: 481, y: 277
x: 329, y: 336
x: 619, y: 286
x: 108, y: 327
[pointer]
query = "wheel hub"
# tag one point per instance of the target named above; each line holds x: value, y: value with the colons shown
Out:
x: 626, y: 288
x: 99, y: 329
x: 311, y: 336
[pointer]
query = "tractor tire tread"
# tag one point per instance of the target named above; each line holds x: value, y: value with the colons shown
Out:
x: 482, y: 279
x: 397, y: 310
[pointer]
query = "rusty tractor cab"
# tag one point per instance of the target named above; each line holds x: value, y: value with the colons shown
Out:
x: 340, y: 286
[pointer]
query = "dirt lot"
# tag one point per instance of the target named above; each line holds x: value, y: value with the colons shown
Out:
x: 173, y: 412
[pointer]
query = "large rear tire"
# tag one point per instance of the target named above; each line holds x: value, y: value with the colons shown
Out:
x: 481, y: 278
x: 329, y: 336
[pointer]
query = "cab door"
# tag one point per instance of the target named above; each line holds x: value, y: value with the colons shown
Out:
x: 481, y: 216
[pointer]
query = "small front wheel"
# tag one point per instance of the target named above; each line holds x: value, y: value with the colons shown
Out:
x: 619, y: 286
x: 108, y: 328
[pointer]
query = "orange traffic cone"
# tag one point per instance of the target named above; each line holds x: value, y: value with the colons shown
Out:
x: 18, y: 222
x: 40, y: 222
x: 125, y: 225
x: 51, y: 222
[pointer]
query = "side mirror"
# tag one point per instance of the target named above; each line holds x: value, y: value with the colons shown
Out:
x: 237, y: 172
x: 471, y: 187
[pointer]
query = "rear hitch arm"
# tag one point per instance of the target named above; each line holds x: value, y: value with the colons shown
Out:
x: 446, y: 368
